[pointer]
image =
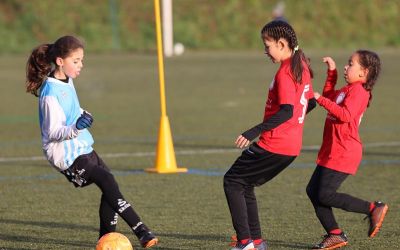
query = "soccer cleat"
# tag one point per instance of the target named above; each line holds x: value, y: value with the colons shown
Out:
x: 233, y: 241
x: 148, y: 240
x: 248, y: 246
x: 376, y: 218
x: 332, y: 241
x: 262, y: 246
x: 145, y: 236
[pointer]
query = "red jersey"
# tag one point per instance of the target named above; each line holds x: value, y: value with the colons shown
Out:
x: 341, y: 148
x: 286, y: 139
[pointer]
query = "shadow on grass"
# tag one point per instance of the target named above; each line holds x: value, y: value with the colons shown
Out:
x: 63, y: 241
x: 288, y: 245
x: 48, y: 224
x: 42, y: 240
x: 219, y: 238
x: 75, y: 243
x: 203, y: 237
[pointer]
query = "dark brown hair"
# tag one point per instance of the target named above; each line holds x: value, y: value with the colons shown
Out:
x: 43, y: 60
x: 278, y: 29
x: 370, y: 60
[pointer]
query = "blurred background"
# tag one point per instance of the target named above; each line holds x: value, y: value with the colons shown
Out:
x: 128, y: 25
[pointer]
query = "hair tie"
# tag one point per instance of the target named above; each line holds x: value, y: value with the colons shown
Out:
x: 296, y: 48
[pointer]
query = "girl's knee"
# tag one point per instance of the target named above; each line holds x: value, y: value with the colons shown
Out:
x: 325, y: 197
x: 233, y: 186
x: 311, y: 192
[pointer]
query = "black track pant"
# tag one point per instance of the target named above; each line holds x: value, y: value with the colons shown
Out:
x: 322, y: 191
x: 88, y: 169
x: 253, y: 168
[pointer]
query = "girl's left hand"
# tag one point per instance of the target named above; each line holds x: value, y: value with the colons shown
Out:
x: 316, y: 95
x: 330, y: 62
x: 242, y: 142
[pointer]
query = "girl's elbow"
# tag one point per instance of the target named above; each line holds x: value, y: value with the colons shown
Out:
x: 54, y: 136
x: 346, y: 118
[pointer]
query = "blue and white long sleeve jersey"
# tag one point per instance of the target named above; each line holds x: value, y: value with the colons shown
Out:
x: 59, y: 109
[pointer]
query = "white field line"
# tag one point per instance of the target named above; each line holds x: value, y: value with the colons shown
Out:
x: 189, y: 152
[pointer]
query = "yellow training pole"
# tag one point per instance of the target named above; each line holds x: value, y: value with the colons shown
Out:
x: 165, y: 156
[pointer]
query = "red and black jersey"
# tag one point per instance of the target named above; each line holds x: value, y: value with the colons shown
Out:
x: 341, y: 148
x: 286, y: 139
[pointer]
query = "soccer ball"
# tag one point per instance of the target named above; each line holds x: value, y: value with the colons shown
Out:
x: 114, y: 241
x: 179, y: 49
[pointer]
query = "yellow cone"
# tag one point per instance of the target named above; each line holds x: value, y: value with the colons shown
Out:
x: 165, y: 157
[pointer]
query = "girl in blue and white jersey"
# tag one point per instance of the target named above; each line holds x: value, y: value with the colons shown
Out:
x: 66, y: 140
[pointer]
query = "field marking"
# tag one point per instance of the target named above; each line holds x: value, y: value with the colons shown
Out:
x: 190, y: 152
x: 137, y: 154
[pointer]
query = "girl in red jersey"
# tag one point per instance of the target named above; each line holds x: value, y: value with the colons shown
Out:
x: 341, y: 149
x: 290, y: 97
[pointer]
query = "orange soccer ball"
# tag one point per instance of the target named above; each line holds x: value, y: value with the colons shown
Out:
x: 114, y: 241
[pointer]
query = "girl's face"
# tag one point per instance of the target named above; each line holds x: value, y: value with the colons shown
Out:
x: 353, y: 71
x: 277, y: 51
x: 71, y: 65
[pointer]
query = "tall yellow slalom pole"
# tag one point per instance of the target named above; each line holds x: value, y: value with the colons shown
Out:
x: 165, y: 156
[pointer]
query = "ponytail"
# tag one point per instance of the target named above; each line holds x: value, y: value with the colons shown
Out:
x: 296, y: 66
x: 38, y: 67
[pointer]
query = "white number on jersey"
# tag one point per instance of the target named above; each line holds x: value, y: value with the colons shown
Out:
x: 304, y: 102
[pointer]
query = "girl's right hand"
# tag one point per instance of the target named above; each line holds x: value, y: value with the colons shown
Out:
x: 330, y: 62
x: 242, y: 142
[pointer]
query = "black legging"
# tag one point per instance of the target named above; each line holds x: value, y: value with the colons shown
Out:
x: 254, y: 167
x: 322, y: 192
x: 91, y: 169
